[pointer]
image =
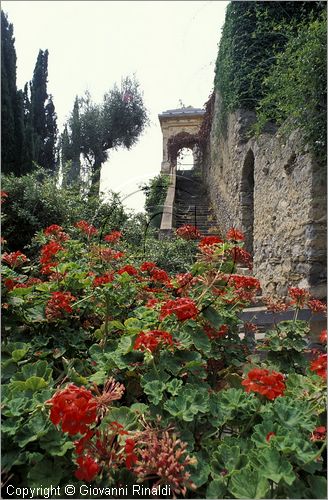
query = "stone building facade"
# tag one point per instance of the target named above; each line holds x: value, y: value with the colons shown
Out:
x: 272, y: 189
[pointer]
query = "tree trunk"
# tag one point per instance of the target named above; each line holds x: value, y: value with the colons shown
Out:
x: 95, y: 179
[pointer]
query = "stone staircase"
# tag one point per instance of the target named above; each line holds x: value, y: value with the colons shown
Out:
x: 192, y: 205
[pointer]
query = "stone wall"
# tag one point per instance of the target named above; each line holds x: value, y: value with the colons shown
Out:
x: 271, y: 188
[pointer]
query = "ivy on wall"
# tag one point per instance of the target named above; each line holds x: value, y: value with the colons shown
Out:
x: 261, y: 43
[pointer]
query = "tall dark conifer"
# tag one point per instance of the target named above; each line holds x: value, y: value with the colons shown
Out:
x: 8, y: 96
x: 50, y: 145
x: 38, y: 101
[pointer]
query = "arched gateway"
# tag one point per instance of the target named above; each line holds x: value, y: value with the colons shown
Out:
x: 179, y: 128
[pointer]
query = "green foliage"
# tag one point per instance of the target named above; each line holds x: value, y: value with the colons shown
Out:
x: 155, y: 192
x: 35, y: 201
x: 93, y: 129
x: 238, y: 444
x: 12, y: 126
x: 295, y: 91
x: 271, y: 58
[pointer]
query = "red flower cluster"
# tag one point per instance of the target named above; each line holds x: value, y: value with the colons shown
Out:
x: 48, y: 253
x: 235, y: 235
x: 131, y: 458
x: 147, y: 266
x: 239, y: 255
x: 159, y: 275
x: 14, y: 259
x: 151, y: 302
x: 323, y: 336
x: 75, y: 408
x: 183, y: 280
x: 102, y: 280
x: 53, y: 229
x: 269, y: 384
x: 209, y: 241
x: 188, y: 232
x: 317, y: 306
x: 150, y: 340
x: 299, y: 296
x: 132, y: 271
x: 11, y: 284
x: 113, y: 236
x: 212, y: 333
x: 319, y: 366
x: 183, y: 308
x: 88, y: 468
x: 319, y: 434
x: 59, y: 302
x: 86, y: 228
x: 107, y: 254
x: 275, y: 305
x: 245, y: 282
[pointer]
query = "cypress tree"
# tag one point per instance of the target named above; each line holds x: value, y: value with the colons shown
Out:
x: 50, y: 149
x: 8, y: 96
x: 75, y: 126
x: 38, y: 99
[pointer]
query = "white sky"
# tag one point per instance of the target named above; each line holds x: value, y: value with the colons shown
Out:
x: 171, y: 46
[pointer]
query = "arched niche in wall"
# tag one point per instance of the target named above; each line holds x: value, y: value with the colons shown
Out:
x: 247, y: 200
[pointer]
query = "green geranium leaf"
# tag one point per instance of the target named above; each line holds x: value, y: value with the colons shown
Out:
x: 19, y: 354
x: 318, y: 486
x: 246, y: 483
x: 154, y: 391
x: 173, y: 386
x: 201, y: 470
x: 227, y: 459
x: 272, y: 465
x: 212, y: 316
x: 48, y: 475
x: 188, y: 403
x: 217, y: 488
x: 124, y: 416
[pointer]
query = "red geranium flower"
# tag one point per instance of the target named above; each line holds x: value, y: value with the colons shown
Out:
x: 234, y: 234
x: 317, y: 306
x: 209, y: 240
x: 86, y: 228
x: 59, y: 302
x: 88, y: 468
x: 319, y: 366
x: 188, y: 232
x: 113, y: 236
x: 183, y: 308
x: 147, y: 266
x: 128, y: 269
x: 14, y: 259
x: 75, y: 408
x: 102, y: 280
x: 323, y: 336
x: 212, y: 333
x: 240, y: 255
x: 131, y: 457
x: 150, y: 340
x: 269, y: 384
x: 299, y: 296
x: 159, y: 275
x: 319, y: 434
x: 53, y: 229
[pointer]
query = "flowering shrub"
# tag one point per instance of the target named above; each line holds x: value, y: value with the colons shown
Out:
x: 117, y: 371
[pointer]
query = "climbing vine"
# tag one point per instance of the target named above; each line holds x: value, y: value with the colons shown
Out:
x: 270, y: 61
x: 179, y: 141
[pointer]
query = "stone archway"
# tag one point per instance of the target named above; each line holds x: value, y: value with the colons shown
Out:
x: 247, y: 200
x: 180, y: 129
